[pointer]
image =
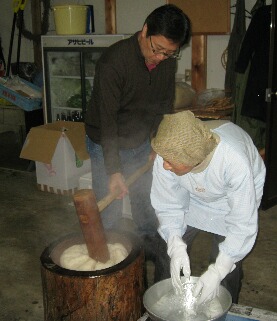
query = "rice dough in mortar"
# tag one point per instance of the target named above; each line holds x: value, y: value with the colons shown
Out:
x: 77, y: 258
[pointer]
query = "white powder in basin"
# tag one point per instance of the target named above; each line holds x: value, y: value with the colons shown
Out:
x: 183, y: 307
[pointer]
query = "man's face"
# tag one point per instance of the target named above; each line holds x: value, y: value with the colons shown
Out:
x: 178, y: 169
x: 157, y: 48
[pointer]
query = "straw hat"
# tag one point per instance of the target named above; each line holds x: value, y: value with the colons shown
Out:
x: 183, y: 139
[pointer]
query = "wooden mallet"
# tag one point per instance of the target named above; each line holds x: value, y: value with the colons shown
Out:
x: 88, y: 211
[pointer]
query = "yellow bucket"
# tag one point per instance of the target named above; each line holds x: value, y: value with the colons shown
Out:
x: 70, y: 19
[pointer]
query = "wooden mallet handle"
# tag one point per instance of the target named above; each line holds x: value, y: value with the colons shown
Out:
x: 104, y: 202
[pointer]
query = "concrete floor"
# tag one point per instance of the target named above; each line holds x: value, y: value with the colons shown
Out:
x: 30, y: 220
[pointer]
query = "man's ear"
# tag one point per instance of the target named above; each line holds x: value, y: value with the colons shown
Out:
x: 144, y: 31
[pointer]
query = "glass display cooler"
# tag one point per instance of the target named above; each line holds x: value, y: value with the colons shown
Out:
x: 68, y: 72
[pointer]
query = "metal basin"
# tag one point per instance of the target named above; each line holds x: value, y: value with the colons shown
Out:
x: 161, y: 303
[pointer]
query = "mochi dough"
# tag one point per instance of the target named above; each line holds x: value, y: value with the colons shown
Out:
x: 77, y: 258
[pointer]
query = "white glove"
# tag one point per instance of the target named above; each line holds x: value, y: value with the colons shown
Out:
x: 177, y: 250
x: 208, y: 284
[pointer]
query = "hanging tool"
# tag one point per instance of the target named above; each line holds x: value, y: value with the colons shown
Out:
x: 18, y: 9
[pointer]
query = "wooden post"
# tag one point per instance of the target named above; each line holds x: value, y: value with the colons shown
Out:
x: 199, y: 62
x: 110, y: 16
x: 36, y: 26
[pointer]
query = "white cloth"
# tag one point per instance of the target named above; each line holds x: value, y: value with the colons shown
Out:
x: 223, y: 198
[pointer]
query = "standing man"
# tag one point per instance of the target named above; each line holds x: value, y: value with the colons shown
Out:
x: 207, y: 176
x: 134, y: 85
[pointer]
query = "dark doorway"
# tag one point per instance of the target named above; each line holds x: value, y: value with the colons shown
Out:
x: 270, y: 188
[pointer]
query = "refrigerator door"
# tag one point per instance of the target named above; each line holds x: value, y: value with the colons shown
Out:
x: 68, y: 73
x: 65, y: 84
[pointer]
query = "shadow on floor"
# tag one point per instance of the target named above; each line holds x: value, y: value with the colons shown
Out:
x: 10, y: 150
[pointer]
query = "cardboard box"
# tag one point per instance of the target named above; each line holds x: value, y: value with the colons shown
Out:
x: 59, y: 151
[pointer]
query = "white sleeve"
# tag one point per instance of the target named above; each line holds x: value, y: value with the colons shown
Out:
x: 242, y: 220
x: 169, y: 200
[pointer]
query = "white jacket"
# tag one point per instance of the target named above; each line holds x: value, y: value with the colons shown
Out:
x: 221, y: 197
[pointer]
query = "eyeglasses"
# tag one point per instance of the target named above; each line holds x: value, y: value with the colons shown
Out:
x: 174, y: 55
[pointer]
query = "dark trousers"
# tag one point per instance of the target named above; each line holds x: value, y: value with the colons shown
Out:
x: 232, y: 281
